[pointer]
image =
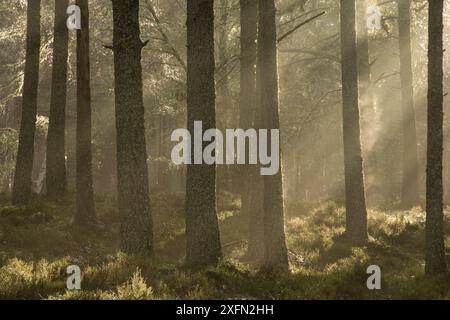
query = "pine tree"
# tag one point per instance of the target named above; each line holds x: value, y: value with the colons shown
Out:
x: 251, y: 206
x: 56, y: 163
x: 25, y: 154
x: 435, y: 262
x: 410, y: 166
x: 85, y: 211
x: 136, y: 229
x: 275, y: 250
x: 356, y: 228
x: 202, y: 230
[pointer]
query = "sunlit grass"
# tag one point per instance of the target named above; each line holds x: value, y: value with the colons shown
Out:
x: 38, y: 242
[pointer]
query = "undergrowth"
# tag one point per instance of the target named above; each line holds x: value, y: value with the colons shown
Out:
x: 38, y: 242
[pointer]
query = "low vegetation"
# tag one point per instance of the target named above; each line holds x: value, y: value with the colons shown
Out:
x: 38, y: 242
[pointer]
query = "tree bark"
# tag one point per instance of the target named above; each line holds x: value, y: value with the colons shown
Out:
x: 369, y: 119
x: 410, y: 166
x: 25, y: 153
x: 136, y: 230
x: 56, y: 179
x: 247, y: 111
x: 202, y: 229
x: 435, y: 246
x: 275, y: 250
x: 85, y: 211
x: 354, y: 179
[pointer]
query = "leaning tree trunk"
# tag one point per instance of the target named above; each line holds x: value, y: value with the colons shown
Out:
x: 25, y: 153
x: 354, y: 179
x: 56, y: 180
x: 247, y: 102
x: 202, y: 229
x: 85, y: 211
x: 275, y: 251
x: 435, y: 246
x: 132, y: 172
x: 410, y: 166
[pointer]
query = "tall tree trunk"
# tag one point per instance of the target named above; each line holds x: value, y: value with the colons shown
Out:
x: 369, y: 120
x: 56, y: 162
x: 202, y: 229
x: 85, y: 211
x: 353, y: 162
x: 410, y: 166
x: 364, y: 68
x: 247, y: 104
x: 25, y: 153
x: 275, y: 251
x: 132, y: 172
x: 435, y: 246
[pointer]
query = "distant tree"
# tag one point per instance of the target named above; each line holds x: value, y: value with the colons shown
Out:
x: 25, y: 154
x: 435, y: 246
x: 56, y: 163
x: 275, y: 250
x: 354, y: 179
x: 136, y: 230
x: 364, y: 67
x: 369, y: 119
x: 247, y: 113
x: 85, y: 211
x: 410, y: 165
x: 202, y: 230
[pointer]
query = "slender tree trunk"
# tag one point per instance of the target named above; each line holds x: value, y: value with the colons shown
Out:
x: 249, y: 34
x: 85, y: 211
x: 275, y: 251
x: 202, y: 229
x: 369, y: 119
x: 134, y: 204
x: 56, y: 161
x: 410, y: 166
x: 353, y: 162
x: 364, y: 68
x: 25, y: 154
x: 435, y: 246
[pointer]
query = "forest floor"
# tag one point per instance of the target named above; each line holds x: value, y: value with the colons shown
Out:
x: 38, y: 242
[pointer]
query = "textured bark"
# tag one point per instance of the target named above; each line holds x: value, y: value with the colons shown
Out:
x: 85, y: 211
x: 410, y: 166
x: 249, y: 174
x: 202, y: 229
x: 134, y: 204
x: 354, y: 179
x: 25, y: 154
x: 368, y: 114
x: 435, y: 246
x: 275, y: 251
x: 56, y: 179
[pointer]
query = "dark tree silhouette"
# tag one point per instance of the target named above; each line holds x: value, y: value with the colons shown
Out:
x: 202, y: 229
x: 251, y: 208
x: 25, y: 154
x: 354, y: 180
x: 410, y: 166
x: 435, y: 246
x: 134, y: 204
x: 85, y: 211
x: 56, y: 164
x: 275, y: 251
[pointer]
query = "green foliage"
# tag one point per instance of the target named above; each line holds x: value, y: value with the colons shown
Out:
x: 33, y: 256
